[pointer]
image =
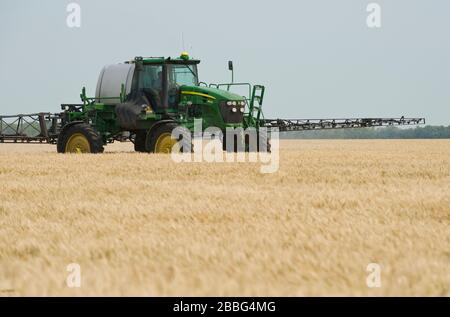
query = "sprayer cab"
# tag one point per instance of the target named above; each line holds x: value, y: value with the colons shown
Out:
x: 157, y: 80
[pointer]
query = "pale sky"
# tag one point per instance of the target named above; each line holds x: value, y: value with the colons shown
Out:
x: 317, y: 58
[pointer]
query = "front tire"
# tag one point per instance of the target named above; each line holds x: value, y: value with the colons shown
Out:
x: 80, y: 138
x: 263, y: 144
x: 160, y: 140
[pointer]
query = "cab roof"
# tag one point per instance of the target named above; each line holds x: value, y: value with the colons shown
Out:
x: 183, y: 59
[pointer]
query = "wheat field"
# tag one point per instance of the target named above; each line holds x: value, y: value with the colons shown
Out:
x: 140, y: 224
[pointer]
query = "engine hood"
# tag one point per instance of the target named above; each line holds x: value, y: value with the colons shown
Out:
x: 212, y: 92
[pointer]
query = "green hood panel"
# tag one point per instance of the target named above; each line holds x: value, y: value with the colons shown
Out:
x: 213, y: 92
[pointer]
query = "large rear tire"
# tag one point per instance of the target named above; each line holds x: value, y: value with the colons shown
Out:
x: 80, y: 138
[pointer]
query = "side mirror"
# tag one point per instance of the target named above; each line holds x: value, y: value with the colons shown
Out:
x: 230, y: 67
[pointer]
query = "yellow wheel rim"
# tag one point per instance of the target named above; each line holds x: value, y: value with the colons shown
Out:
x: 165, y: 143
x: 78, y: 143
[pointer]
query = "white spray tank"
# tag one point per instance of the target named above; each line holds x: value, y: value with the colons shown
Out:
x: 110, y: 82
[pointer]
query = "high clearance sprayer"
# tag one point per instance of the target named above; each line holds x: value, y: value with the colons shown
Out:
x: 145, y: 99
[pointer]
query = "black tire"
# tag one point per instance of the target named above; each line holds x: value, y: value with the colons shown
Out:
x: 139, y: 141
x: 260, y: 144
x: 153, y: 136
x: 235, y: 147
x: 265, y: 139
x: 94, y: 138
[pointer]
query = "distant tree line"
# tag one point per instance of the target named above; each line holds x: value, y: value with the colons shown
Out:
x: 427, y: 132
